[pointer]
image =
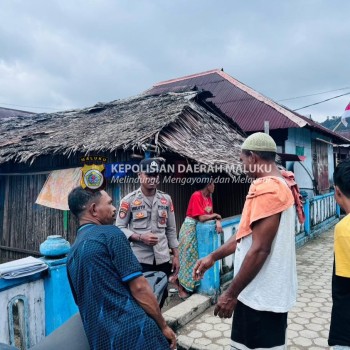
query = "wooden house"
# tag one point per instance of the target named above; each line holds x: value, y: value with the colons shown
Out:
x: 297, y: 137
x: 180, y: 127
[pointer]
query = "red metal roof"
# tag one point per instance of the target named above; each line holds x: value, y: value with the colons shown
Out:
x: 344, y: 134
x: 247, y: 107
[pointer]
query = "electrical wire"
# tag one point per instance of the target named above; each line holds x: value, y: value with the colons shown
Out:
x: 285, y: 99
x: 317, y: 103
x: 318, y: 93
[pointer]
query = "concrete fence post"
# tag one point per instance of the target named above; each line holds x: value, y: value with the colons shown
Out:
x: 59, y: 301
x: 307, y: 224
x: 337, y: 209
x: 208, y: 241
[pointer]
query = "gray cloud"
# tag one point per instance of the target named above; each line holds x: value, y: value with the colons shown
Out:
x: 65, y: 54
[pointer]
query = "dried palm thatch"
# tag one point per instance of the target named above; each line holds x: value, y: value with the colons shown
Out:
x: 174, y: 122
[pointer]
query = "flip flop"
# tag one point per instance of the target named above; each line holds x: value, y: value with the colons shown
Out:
x: 184, y: 298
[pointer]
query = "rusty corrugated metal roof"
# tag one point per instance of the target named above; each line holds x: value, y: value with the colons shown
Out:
x: 344, y: 134
x: 247, y: 107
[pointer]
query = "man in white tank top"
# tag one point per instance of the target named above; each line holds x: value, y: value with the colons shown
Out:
x: 265, y: 282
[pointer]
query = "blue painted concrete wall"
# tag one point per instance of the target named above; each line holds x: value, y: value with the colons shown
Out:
x: 59, y: 301
x: 208, y: 241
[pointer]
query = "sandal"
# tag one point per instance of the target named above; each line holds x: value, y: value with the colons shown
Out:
x: 184, y: 298
x: 182, y: 290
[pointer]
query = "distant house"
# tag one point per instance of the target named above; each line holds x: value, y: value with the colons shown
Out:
x: 341, y: 152
x: 297, y: 136
x: 180, y: 127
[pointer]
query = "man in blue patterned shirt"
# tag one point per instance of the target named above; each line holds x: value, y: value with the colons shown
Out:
x: 117, y: 306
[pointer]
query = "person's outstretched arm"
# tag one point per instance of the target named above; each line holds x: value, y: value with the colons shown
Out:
x: 207, y: 217
x: 142, y: 292
x: 207, y: 262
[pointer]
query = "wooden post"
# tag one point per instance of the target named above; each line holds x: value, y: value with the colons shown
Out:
x: 307, y: 224
x: 65, y: 223
x: 267, y: 127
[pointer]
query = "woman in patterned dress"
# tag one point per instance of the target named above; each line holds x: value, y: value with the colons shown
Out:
x: 200, y: 208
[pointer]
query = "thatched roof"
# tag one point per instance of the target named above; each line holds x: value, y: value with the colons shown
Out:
x: 175, y: 122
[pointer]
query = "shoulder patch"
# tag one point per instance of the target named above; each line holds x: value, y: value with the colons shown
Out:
x: 124, y: 205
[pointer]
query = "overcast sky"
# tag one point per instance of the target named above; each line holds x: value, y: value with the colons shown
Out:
x: 63, y: 54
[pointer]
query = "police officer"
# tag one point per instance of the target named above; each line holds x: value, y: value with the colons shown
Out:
x: 146, y: 216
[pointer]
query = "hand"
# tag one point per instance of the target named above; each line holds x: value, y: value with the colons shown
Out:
x: 201, y: 266
x: 225, y: 306
x: 218, y: 217
x: 176, y: 266
x: 219, y: 227
x: 149, y: 239
x: 170, y: 335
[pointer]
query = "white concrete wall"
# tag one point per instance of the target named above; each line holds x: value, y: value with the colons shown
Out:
x: 303, y: 137
x: 303, y: 170
x: 331, y: 165
x: 34, y: 292
x: 300, y: 137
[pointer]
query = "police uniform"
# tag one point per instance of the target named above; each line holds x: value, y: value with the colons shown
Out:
x: 137, y: 215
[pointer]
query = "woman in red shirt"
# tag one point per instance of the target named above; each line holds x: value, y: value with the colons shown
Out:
x: 200, y: 208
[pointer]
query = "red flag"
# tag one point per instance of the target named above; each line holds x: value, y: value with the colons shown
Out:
x: 346, y: 115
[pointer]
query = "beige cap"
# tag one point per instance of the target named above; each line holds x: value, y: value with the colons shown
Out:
x: 259, y: 142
